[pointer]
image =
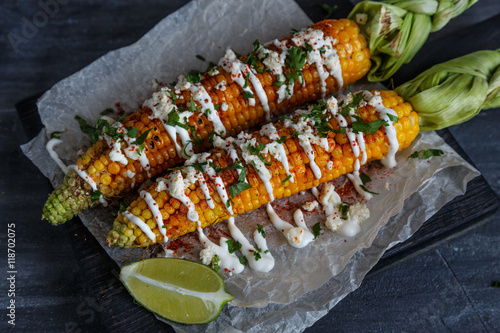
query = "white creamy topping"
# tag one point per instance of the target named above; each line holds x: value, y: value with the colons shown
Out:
x: 356, y: 214
x: 238, y: 71
x: 323, y: 53
x: 266, y: 261
x: 261, y: 168
x: 307, y: 136
x: 229, y: 262
x: 219, y: 184
x: 297, y: 237
x: 200, y: 95
x: 141, y: 224
x: 310, y: 206
x: 50, y: 149
x: 376, y: 101
x: 276, y: 149
x: 116, y: 154
x: 153, y: 206
x: 89, y: 181
x: 174, y: 184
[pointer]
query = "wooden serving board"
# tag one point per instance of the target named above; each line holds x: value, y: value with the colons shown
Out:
x: 118, y: 312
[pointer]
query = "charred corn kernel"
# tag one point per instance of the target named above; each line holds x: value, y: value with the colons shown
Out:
x: 342, y: 161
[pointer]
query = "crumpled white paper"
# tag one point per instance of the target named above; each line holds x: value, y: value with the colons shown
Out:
x: 305, y: 283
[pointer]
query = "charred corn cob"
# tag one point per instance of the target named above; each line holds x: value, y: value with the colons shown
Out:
x: 242, y: 174
x: 238, y: 94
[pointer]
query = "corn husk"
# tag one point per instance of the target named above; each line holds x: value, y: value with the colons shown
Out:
x: 455, y: 91
x: 397, y: 29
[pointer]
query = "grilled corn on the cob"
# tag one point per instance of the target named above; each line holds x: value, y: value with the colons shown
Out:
x: 234, y: 96
x: 245, y: 173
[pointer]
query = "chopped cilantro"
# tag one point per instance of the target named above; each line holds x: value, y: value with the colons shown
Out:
x: 247, y: 95
x: 200, y: 57
x: 260, y: 230
x: 295, y: 134
x: 256, y: 150
x: 308, y: 46
x: 281, y: 139
x: 192, y: 106
x: 236, y: 189
x: 496, y: 284
x: 216, y: 168
x: 283, y: 118
x: 257, y: 254
x: 295, y: 60
x: 393, y: 118
x: 316, y: 230
x: 132, y: 131
x: 425, y: 154
x: 123, y: 206
x: 243, y: 261
x: 107, y: 111
x: 283, y: 182
x: 365, y: 178
x: 233, y: 246
x: 363, y: 187
x: 95, y: 195
x: 235, y: 165
x: 194, y: 76
x: 343, y: 209
x: 371, y: 127
x: 173, y: 96
x: 328, y: 9
x: 140, y: 140
x: 216, y: 106
x: 55, y: 134
x: 215, y: 263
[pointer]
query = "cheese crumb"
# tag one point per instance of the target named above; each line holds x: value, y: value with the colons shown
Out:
x: 294, y: 235
x: 207, y: 254
x: 309, y: 206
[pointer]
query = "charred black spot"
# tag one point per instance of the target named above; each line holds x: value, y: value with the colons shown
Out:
x: 200, y: 121
x: 151, y: 144
x: 156, y: 138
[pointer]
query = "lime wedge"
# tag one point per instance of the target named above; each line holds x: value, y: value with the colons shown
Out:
x: 179, y: 290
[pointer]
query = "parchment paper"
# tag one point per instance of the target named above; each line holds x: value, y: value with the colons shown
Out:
x: 305, y: 283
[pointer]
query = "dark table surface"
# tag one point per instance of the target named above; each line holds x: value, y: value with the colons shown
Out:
x: 446, y: 289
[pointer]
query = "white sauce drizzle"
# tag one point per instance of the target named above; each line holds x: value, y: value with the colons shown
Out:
x: 153, y: 206
x: 297, y: 237
x: 50, y: 149
x: 219, y: 184
x: 89, y: 181
x: 141, y: 224
x: 239, y: 71
x: 277, y: 150
x: 266, y: 262
x: 228, y: 261
x: 200, y: 95
x: 174, y: 184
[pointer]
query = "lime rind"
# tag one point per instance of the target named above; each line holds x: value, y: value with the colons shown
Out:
x: 179, y: 298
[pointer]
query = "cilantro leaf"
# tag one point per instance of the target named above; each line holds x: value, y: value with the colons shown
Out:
x: 233, y: 246
x: 328, y: 9
x: 365, y: 178
x: 123, y: 206
x: 363, y: 187
x: 295, y: 58
x: 132, y: 131
x: 260, y: 230
x: 55, y: 134
x: 194, y: 76
x: 236, y: 189
x: 200, y: 57
x: 425, y: 154
x: 140, y: 140
x: 393, y: 118
x: 371, y: 127
x: 95, y: 195
x: 257, y: 254
x: 281, y: 139
x: 316, y: 230
x: 215, y: 263
x: 243, y: 261
x: 106, y: 111
x: 247, y: 95
x: 343, y: 209
x: 283, y: 182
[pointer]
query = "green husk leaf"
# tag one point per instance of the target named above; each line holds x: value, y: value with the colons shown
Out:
x: 397, y: 29
x: 455, y: 91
